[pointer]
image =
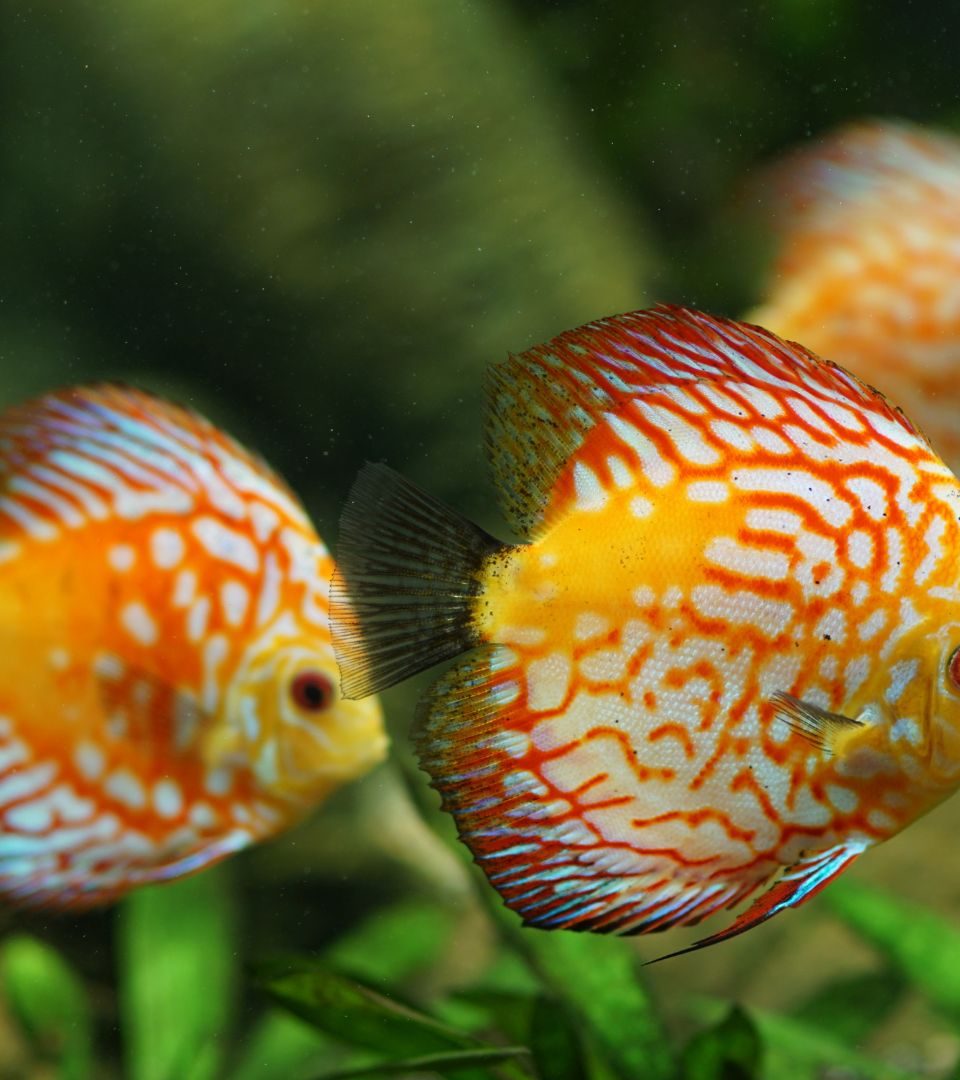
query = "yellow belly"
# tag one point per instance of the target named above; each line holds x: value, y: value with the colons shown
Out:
x: 600, y: 566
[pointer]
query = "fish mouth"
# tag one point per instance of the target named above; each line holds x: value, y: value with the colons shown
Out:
x: 343, y: 745
x: 911, y: 725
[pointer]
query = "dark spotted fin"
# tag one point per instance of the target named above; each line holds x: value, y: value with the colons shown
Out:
x: 408, y: 573
x: 818, y: 726
x: 796, y: 885
x: 538, y: 414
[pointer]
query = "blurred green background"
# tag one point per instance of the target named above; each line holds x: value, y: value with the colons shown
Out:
x: 318, y: 223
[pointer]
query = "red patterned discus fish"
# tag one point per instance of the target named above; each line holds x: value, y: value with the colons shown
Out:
x: 167, y: 682
x: 868, y: 268
x: 726, y: 652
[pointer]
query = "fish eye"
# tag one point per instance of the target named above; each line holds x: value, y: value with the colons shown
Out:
x: 953, y: 667
x: 312, y: 691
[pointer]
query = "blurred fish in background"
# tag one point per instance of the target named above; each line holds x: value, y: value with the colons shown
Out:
x: 168, y: 693
x: 867, y: 267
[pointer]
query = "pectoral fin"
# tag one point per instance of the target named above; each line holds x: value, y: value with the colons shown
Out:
x: 820, y: 727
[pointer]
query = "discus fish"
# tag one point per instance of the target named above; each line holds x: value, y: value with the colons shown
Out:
x: 726, y: 651
x: 868, y: 268
x: 167, y: 682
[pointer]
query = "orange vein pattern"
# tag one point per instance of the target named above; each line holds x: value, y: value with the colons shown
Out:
x: 736, y: 520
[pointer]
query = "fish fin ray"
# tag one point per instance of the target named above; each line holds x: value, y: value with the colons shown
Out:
x: 798, y: 884
x: 406, y: 580
x: 820, y: 727
x: 537, y: 415
x: 26, y: 880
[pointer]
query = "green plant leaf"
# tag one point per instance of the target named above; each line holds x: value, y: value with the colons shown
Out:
x: 796, y: 1051
x: 600, y: 980
x: 447, y: 1064
x: 359, y: 1015
x: 852, y: 1008
x: 921, y: 945
x: 280, y: 1045
x: 555, y: 1042
x: 48, y: 999
x: 730, y: 1050
x: 507, y: 1012
x: 178, y: 976
x: 392, y: 944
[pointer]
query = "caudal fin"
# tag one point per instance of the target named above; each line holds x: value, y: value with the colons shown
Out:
x: 408, y: 573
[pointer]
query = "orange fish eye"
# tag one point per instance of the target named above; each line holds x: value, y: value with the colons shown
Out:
x: 953, y: 667
x: 312, y: 691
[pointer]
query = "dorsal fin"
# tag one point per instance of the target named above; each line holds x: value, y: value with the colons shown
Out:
x: 543, y: 403
x: 104, y: 437
x: 538, y: 414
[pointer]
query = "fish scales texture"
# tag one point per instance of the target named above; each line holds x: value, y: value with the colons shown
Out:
x: 164, y: 608
x: 867, y: 269
x: 738, y: 532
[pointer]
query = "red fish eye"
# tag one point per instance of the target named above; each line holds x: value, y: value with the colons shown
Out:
x: 311, y: 691
x: 953, y: 667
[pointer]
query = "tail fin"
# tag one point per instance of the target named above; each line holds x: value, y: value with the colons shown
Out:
x: 408, y: 572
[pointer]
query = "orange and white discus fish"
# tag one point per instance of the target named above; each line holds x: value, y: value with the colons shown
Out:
x: 167, y: 682
x: 726, y: 650
x: 868, y: 267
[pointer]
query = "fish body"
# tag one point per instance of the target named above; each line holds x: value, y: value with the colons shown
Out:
x: 167, y: 684
x: 724, y: 652
x: 867, y: 267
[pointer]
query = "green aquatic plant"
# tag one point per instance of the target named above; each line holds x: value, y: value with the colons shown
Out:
x: 537, y: 1006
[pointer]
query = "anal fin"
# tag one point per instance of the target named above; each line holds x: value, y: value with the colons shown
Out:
x: 537, y: 839
x: 795, y: 886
